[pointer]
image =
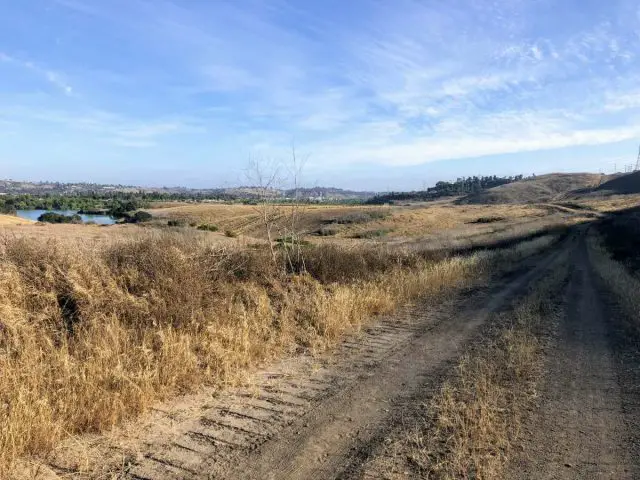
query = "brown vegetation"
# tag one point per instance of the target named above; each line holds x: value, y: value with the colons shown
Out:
x: 544, y: 188
x: 437, y: 222
x: 95, y: 332
x: 470, y: 426
x: 13, y: 220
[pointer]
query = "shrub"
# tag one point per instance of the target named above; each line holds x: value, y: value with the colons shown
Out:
x: 328, y: 231
x: 142, y: 216
x: 176, y: 223
x: 207, y: 227
x: 52, y: 217
x: 361, y: 217
x: 137, y: 217
x: 230, y: 233
x: 488, y: 220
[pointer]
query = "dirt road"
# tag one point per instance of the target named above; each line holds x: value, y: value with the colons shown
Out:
x: 588, y: 422
x: 317, y: 418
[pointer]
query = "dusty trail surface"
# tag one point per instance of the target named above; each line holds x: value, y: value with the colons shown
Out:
x: 316, y: 418
x: 587, y: 426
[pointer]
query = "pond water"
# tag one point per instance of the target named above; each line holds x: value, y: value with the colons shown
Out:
x: 99, y: 219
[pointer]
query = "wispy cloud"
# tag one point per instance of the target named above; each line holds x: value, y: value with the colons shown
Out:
x: 55, y: 79
x: 381, y: 83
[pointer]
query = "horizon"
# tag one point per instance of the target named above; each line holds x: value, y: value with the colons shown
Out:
x: 424, y: 186
x: 376, y: 97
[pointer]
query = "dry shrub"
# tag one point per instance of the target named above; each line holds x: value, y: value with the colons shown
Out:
x: 92, y: 334
x: 469, y: 427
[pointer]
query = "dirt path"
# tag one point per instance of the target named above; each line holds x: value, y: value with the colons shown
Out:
x: 585, y: 428
x: 316, y: 418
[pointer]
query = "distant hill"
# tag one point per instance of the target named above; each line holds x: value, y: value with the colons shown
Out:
x: 12, y: 187
x: 543, y: 188
x: 328, y: 193
x: 461, y: 186
x: 622, y: 184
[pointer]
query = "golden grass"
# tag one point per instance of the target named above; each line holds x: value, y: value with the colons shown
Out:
x: 93, y: 333
x: 426, y: 219
x: 423, y: 220
x: 89, y: 233
x: 246, y: 220
x: 13, y: 220
x: 613, y: 203
x: 470, y: 426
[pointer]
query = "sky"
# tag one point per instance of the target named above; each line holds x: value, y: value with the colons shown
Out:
x: 373, y: 94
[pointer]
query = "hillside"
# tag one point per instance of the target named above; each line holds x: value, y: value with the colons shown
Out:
x: 543, y: 188
x: 622, y: 184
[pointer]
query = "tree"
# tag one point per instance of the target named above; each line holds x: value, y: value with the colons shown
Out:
x: 277, y: 219
x: 265, y: 176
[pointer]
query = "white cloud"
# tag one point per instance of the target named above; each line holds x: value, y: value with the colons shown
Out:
x: 466, y: 144
x: 53, y: 78
x: 398, y: 84
x: 622, y: 101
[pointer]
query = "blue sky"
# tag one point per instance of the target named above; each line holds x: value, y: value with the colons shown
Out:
x: 376, y: 94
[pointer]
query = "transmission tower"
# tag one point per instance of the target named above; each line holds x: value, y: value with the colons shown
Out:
x: 638, y: 161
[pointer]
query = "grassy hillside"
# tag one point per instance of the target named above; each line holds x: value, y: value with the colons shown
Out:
x: 622, y: 184
x: 544, y: 188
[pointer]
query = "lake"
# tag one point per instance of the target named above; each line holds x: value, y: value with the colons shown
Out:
x: 99, y: 219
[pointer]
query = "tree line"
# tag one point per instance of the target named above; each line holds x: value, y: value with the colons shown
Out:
x: 462, y: 186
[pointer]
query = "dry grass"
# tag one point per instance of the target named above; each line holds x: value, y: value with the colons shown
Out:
x: 429, y: 219
x: 92, y: 233
x: 543, y: 188
x: 618, y: 279
x: 13, y: 220
x: 246, y: 219
x: 432, y: 221
x: 93, y: 333
x: 470, y: 426
x: 610, y: 204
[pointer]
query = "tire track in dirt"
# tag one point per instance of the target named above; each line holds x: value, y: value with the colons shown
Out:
x: 310, y: 418
x: 587, y: 423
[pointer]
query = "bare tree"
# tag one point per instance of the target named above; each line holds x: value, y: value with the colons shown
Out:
x: 276, y: 218
x: 293, y: 237
x: 265, y: 176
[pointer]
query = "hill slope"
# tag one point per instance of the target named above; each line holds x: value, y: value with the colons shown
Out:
x: 622, y: 184
x: 13, y: 220
x: 544, y: 188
